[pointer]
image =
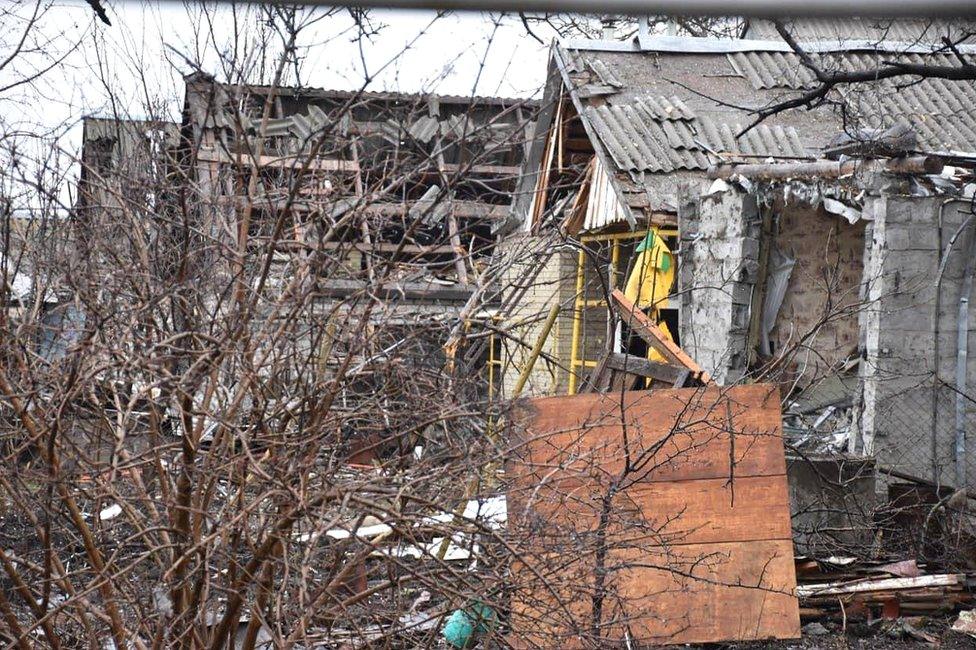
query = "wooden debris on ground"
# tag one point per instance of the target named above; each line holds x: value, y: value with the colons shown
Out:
x: 878, y: 590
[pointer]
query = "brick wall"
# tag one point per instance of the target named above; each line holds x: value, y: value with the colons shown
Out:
x: 555, y: 268
x: 554, y: 281
x: 820, y: 309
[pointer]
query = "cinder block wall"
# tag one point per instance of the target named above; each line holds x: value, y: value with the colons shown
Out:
x: 907, y: 413
x: 717, y: 269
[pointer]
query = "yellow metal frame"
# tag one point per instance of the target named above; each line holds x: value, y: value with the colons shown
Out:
x: 576, y: 362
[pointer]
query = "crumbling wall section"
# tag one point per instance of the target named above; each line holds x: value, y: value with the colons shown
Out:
x: 717, y: 271
x: 908, y: 401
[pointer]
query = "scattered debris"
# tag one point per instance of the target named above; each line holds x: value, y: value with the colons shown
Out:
x: 814, y: 629
x: 890, y: 589
x: 966, y: 623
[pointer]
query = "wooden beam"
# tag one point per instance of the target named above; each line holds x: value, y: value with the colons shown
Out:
x: 829, y: 168
x: 460, y: 209
x: 389, y: 247
x: 337, y: 288
x: 285, y: 245
x: 883, y: 584
x: 641, y: 367
x: 294, y: 161
x: 497, y: 170
x: 639, y: 322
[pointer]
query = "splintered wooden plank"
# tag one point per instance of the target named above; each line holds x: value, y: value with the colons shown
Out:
x: 643, y: 326
x: 669, y: 434
x: 692, y: 546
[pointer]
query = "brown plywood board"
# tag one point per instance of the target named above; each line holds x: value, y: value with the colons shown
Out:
x: 677, y: 498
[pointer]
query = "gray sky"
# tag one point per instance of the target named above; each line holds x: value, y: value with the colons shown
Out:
x: 133, y: 59
x: 130, y: 68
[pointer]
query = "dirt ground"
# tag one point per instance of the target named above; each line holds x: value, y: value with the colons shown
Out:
x: 903, y: 634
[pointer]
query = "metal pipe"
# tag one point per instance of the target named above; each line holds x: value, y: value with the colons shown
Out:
x: 937, y: 329
x: 577, y: 316
x: 828, y: 168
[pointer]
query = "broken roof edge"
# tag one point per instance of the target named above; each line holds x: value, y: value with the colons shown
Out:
x: 599, y: 149
x: 374, y: 95
x: 149, y: 121
x: 705, y: 45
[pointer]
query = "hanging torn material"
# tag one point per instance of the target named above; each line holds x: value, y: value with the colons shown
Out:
x: 780, y: 269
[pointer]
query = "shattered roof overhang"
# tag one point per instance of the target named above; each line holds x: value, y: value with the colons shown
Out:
x: 369, y: 95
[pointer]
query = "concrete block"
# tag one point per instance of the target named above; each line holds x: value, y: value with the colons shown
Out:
x: 912, y: 210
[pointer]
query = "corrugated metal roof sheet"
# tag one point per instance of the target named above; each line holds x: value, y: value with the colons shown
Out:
x: 644, y: 137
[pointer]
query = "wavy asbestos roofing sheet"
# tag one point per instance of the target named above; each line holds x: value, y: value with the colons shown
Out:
x: 641, y: 136
x: 921, y: 30
x: 939, y: 110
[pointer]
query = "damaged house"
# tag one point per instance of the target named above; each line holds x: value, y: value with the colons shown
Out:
x: 826, y: 250
x: 362, y: 195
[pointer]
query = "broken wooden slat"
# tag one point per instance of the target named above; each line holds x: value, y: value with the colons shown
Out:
x: 599, y: 377
x: 645, y: 367
x: 682, y: 379
x: 295, y: 161
x: 881, y: 585
x: 644, y: 327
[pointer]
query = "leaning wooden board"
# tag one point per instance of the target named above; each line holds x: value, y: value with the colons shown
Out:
x: 677, y: 498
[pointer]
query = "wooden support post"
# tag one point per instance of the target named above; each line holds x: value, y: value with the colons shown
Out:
x: 536, y: 351
x: 452, y: 227
x: 759, y: 291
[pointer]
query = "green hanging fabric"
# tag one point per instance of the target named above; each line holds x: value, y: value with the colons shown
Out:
x: 647, y: 243
x: 665, y: 261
